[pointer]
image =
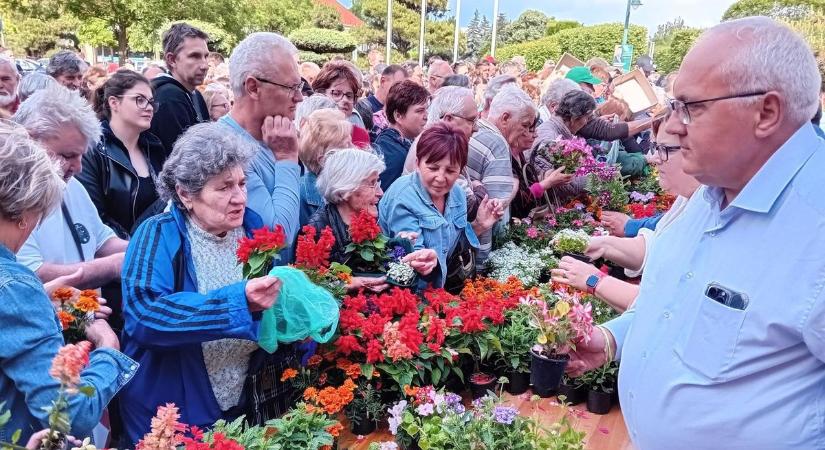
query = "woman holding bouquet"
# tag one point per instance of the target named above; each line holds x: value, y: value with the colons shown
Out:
x: 30, y: 188
x: 429, y: 204
x: 350, y: 183
x: 191, y: 319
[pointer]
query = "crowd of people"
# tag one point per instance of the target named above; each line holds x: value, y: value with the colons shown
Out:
x: 142, y: 184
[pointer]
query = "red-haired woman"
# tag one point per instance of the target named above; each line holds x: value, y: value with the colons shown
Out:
x: 428, y: 202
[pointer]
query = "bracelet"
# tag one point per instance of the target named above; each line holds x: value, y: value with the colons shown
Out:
x: 607, y: 350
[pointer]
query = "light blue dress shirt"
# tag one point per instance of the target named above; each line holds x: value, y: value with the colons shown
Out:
x: 696, y: 374
x: 271, y: 185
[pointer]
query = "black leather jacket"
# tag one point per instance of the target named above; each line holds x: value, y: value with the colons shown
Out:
x: 111, y: 180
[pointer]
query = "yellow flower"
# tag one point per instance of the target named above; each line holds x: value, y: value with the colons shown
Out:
x: 562, y: 308
x: 542, y: 339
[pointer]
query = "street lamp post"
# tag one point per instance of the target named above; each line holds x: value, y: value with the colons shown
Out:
x: 627, y: 49
x: 389, y: 32
x: 457, y: 31
x: 495, y: 29
x: 421, y: 35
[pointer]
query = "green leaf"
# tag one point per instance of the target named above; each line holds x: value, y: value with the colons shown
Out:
x: 88, y: 391
x: 4, y: 418
x: 16, y: 436
x: 350, y: 248
x: 436, y: 375
x: 367, y: 255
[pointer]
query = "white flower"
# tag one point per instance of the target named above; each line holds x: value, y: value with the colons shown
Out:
x: 401, y: 272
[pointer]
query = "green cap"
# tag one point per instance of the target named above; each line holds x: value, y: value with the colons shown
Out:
x: 582, y: 74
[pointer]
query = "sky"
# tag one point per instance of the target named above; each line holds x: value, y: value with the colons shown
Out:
x: 697, y: 13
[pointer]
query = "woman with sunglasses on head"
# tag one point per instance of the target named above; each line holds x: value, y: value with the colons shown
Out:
x: 120, y: 172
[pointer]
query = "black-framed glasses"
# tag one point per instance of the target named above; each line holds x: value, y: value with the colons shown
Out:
x: 473, y: 121
x: 338, y: 95
x: 681, y: 108
x: 142, y: 102
x: 296, y: 89
x: 665, y: 150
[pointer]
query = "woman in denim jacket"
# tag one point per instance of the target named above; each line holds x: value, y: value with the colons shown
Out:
x: 428, y: 202
x: 30, y: 187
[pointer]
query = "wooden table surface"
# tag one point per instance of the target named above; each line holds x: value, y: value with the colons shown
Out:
x: 607, y: 432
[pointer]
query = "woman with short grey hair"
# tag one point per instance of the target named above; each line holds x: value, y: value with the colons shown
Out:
x: 32, y: 83
x: 190, y: 317
x: 350, y: 184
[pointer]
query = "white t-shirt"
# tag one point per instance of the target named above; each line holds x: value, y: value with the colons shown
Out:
x: 52, y: 240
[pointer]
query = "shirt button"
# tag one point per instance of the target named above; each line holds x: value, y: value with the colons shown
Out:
x: 712, y: 234
x: 133, y: 367
x: 127, y: 376
x: 667, y: 314
x: 689, y: 275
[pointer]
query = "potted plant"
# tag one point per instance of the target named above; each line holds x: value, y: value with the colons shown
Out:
x: 561, y: 321
x: 517, y: 336
x: 602, y: 384
x: 365, y: 409
x: 481, y: 383
x: 571, y: 243
x: 572, y: 154
x: 430, y: 416
x: 574, y: 390
x: 372, y: 254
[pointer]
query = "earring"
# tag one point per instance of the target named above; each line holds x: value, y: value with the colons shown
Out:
x: 22, y: 224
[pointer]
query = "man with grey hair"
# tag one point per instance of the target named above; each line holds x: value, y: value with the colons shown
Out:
x: 267, y: 88
x: 68, y: 69
x: 556, y: 90
x: 9, y: 79
x: 180, y: 104
x: 32, y: 83
x: 439, y: 70
x: 73, y: 237
x: 492, y: 89
x: 509, y: 127
x: 731, y: 310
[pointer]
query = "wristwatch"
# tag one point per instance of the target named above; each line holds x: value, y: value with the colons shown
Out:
x: 593, y: 281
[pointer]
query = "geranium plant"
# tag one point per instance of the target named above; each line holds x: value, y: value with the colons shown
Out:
x: 259, y: 253
x: 75, y: 310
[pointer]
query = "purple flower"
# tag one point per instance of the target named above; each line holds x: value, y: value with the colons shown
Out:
x: 425, y: 410
x: 395, y: 416
x: 397, y: 253
x: 643, y: 198
x: 505, y: 414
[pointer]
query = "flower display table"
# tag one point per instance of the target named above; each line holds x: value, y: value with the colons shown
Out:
x: 607, y: 432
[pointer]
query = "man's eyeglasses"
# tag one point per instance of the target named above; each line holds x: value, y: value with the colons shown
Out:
x: 473, y: 121
x: 142, y: 102
x: 296, y: 89
x: 665, y: 150
x: 682, y: 110
x: 338, y: 95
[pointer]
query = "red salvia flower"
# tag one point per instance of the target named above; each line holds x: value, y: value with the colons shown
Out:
x: 364, y: 227
x: 262, y: 240
x: 312, y: 254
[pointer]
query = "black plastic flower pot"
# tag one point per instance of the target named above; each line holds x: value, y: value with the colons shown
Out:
x: 579, y: 256
x: 546, y: 373
x: 518, y: 382
x: 481, y: 382
x: 573, y: 394
x: 363, y: 427
x: 599, y: 402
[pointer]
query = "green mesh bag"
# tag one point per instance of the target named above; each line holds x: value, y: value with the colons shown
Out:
x: 303, y: 310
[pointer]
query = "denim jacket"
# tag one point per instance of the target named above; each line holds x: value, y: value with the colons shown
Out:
x: 407, y: 206
x: 311, y: 200
x: 31, y: 339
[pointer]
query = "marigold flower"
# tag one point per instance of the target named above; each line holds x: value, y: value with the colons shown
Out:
x: 310, y: 393
x: 288, y: 374
x: 335, y: 429
x: 87, y: 304
x: 63, y: 294
x: 65, y: 318
x: 314, y: 360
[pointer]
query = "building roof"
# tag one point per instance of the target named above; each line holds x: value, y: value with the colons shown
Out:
x: 348, y: 19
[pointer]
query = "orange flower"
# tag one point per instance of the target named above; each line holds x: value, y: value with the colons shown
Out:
x: 89, y: 293
x: 87, y: 304
x: 70, y: 360
x: 353, y: 371
x: 410, y: 391
x: 310, y: 393
x: 63, y: 294
x: 335, y: 429
x: 314, y: 360
x: 270, y: 431
x: 345, y: 277
x: 289, y: 374
x: 66, y: 319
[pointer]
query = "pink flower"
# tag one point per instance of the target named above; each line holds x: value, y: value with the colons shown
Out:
x: 532, y: 232
x: 167, y: 432
x: 69, y: 362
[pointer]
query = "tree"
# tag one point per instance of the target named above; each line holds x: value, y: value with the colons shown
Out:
x: 474, y: 35
x: 788, y: 9
x: 96, y: 33
x: 324, y: 16
x: 529, y: 26
x: 670, y: 58
x: 220, y: 40
x: 39, y: 37
x: 554, y: 26
x: 405, y: 21
x: 666, y: 30
x: 502, y: 35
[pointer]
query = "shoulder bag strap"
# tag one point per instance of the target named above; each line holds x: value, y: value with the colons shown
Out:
x: 70, y: 223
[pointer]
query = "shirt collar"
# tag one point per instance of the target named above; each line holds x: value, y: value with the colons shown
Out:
x: 484, y: 123
x: 762, y: 191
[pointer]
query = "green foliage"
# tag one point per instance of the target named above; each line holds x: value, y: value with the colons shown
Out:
x: 554, y: 26
x: 322, y: 41
x: 406, y: 15
x: 789, y: 9
x: 529, y: 26
x: 295, y: 429
x: 366, y: 404
x: 812, y: 29
x: 150, y: 41
x: 316, y: 58
x: 280, y: 16
x: 324, y: 16
x: 516, y: 337
x: 669, y: 58
x: 37, y: 37
x: 600, y: 40
x: 534, y: 52
x: 602, y: 379
x: 96, y: 32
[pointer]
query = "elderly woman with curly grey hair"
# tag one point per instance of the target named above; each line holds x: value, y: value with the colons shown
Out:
x: 191, y: 319
x: 350, y: 184
x: 30, y: 188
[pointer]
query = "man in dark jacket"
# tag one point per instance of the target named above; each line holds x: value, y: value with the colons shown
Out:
x: 373, y: 103
x: 180, y: 105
